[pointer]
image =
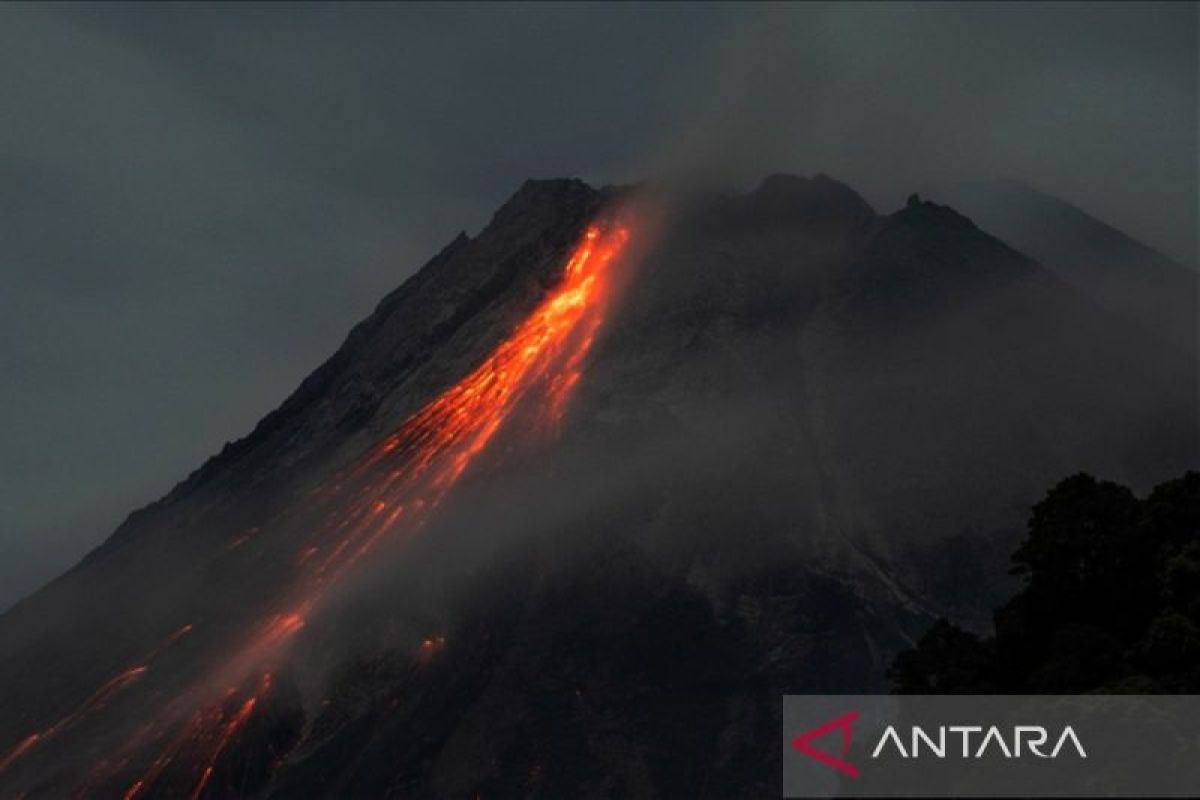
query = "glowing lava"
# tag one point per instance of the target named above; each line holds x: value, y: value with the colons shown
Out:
x: 227, y: 731
x: 97, y: 701
x: 429, y: 453
x: 394, y: 487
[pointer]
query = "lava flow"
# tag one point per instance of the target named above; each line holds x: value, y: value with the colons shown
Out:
x: 409, y: 473
x: 94, y: 704
x: 392, y: 489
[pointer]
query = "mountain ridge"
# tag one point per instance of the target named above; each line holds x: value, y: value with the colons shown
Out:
x: 794, y: 409
x: 1123, y: 274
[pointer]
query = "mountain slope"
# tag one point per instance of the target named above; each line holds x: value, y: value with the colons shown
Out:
x: 799, y: 419
x: 1101, y: 262
x: 163, y: 567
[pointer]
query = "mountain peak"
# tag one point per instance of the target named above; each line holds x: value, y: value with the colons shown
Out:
x: 793, y: 403
x: 919, y: 211
x: 536, y: 194
x: 818, y: 207
x: 786, y: 192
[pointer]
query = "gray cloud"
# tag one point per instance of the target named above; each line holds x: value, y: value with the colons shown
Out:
x: 198, y: 201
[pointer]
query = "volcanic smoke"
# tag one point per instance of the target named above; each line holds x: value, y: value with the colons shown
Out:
x: 390, y: 492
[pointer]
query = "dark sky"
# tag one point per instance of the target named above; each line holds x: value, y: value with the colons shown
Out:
x: 197, y: 202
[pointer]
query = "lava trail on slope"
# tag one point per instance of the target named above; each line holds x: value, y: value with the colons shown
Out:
x: 389, y: 492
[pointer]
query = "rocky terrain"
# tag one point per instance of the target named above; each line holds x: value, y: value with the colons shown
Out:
x: 805, y: 430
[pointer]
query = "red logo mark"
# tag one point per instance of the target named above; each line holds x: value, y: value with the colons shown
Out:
x: 803, y: 743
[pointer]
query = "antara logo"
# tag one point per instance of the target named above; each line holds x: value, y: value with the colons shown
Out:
x: 844, y: 723
x: 1033, y: 737
x: 1023, y: 739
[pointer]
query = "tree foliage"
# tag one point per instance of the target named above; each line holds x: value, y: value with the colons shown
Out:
x: 1111, y: 601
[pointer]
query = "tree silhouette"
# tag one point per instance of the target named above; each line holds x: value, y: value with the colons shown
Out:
x: 1111, y: 601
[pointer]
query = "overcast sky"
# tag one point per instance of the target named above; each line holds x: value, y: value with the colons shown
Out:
x: 197, y: 202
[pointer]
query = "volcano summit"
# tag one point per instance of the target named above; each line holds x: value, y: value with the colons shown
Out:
x: 580, y: 500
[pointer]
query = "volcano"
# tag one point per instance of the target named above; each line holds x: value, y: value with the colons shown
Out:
x: 579, y: 501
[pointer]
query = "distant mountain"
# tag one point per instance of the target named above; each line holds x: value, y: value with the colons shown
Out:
x: 569, y: 511
x: 1100, y: 261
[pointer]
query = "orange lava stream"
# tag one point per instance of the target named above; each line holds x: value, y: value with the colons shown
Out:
x: 227, y: 732
x: 408, y: 474
x: 428, y: 454
x: 23, y: 747
x: 95, y: 702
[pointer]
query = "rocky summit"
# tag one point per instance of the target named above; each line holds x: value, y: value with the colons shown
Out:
x: 799, y: 432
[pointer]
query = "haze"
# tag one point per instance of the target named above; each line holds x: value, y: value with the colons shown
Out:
x: 199, y: 201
